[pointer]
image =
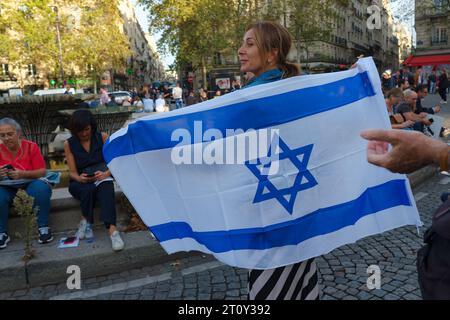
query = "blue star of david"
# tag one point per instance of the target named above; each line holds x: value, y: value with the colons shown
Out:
x: 304, y: 179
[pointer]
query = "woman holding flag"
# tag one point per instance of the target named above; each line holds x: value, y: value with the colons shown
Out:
x: 263, y: 53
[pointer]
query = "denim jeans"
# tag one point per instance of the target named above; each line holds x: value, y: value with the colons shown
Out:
x: 179, y: 103
x: 39, y: 190
x: 432, y: 87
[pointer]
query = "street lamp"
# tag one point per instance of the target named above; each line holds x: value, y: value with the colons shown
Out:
x: 61, y: 70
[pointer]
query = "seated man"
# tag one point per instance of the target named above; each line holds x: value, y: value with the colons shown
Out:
x: 393, y: 98
x: 422, y: 92
x: 22, y: 160
x: 407, y: 108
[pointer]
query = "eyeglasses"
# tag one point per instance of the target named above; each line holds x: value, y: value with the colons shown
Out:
x: 5, y: 135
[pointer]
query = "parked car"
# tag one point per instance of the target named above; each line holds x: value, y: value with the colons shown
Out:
x: 47, y: 92
x: 120, y: 95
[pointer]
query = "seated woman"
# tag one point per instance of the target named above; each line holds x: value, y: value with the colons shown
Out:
x: 22, y: 159
x: 160, y: 104
x: 393, y: 98
x: 90, y: 179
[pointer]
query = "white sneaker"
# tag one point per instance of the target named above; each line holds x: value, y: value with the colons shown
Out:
x: 116, y: 241
x: 81, y: 233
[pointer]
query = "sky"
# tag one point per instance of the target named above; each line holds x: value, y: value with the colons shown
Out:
x: 141, y: 16
x: 403, y: 11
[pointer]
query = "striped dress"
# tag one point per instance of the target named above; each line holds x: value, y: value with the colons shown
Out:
x: 297, y: 281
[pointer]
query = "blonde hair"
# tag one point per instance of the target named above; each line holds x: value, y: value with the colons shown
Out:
x: 271, y: 35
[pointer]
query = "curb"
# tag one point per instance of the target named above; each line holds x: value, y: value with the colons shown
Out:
x: 416, y: 178
x: 51, y: 264
x: 97, y: 259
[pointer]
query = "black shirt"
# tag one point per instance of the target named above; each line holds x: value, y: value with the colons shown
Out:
x: 420, y: 108
x: 84, y: 159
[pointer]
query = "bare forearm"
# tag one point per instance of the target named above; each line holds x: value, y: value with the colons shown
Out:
x: 74, y: 176
x: 33, y: 174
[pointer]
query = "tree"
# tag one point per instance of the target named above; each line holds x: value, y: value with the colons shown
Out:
x: 96, y: 45
x: 37, y: 29
x: 26, y: 40
x: 196, y: 30
x: 191, y: 30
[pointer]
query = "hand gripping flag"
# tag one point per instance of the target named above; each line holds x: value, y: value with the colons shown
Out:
x: 198, y: 182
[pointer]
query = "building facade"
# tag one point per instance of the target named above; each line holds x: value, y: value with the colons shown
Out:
x: 144, y: 66
x: 432, y: 27
x: 358, y: 31
x: 389, y: 43
x: 404, y: 38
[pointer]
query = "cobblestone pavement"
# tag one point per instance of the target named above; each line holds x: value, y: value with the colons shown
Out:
x: 343, y: 272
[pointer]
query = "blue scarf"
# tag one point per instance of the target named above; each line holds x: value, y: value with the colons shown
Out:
x: 265, y: 77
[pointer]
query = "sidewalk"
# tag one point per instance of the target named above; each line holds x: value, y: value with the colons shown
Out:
x: 342, y: 273
x: 141, y: 250
x: 96, y: 258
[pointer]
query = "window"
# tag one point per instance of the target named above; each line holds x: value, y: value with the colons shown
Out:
x: 439, y: 35
x: 441, y: 4
x: 31, y: 70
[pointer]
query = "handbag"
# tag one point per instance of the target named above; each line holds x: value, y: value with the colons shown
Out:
x: 396, y: 118
x: 433, y: 259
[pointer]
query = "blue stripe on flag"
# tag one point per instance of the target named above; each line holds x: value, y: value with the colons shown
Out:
x: 147, y: 135
x: 293, y: 232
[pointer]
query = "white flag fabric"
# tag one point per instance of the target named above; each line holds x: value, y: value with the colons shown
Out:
x: 321, y: 194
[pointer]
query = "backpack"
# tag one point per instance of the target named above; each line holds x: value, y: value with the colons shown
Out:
x: 433, y: 259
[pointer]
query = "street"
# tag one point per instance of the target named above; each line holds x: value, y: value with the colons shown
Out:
x: 343, y: 272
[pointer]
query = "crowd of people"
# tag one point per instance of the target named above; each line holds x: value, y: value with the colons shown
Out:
x: 22, y: 166
x: 404, y: 102
x: 435, y: 81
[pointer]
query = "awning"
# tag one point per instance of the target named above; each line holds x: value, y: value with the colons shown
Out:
x: 412, y: 61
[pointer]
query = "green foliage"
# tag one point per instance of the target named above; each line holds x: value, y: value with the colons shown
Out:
x: 193, y: 30
x: 97, y: 45
x: 30, y: 35
x: 23, y: 206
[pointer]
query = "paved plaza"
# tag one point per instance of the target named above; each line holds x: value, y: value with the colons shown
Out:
x: 343, y: 272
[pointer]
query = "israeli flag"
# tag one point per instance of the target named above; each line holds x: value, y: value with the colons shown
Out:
x: 197, y: 180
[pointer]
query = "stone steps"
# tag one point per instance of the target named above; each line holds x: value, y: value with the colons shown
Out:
x: 65, y: 214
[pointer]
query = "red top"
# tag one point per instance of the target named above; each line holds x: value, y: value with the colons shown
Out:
x: 28, y: 157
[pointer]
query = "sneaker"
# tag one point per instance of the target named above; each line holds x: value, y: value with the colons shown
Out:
x: 444, y: 196
x: 81, y: 233
x: 45, y: 235
x: 89, y: 233
x: 116, y: 241
x: 4, y: 239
